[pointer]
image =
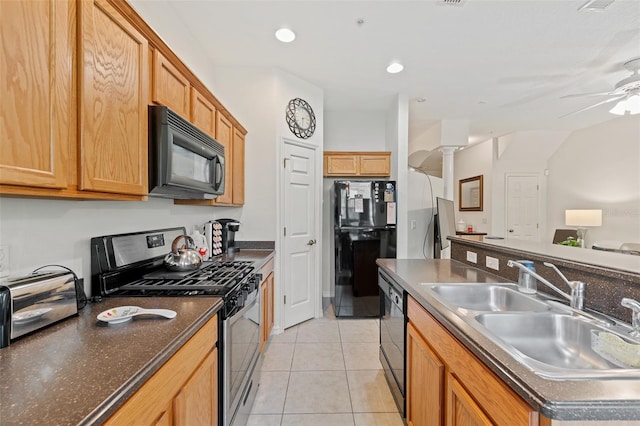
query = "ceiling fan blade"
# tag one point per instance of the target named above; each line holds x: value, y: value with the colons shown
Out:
x: 594, y: 105
x: 579, y: 95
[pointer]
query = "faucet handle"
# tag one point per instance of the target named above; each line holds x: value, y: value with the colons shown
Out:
x: 555, y: 268
x: 634, y: 305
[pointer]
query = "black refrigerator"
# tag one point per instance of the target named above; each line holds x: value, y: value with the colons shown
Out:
x: 364, y: 230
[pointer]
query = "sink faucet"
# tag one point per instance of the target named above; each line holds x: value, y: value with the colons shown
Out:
x: 576, y: 298
x: 634, y: 305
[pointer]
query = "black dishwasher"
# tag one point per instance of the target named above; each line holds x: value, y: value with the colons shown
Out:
x: 392, y: 336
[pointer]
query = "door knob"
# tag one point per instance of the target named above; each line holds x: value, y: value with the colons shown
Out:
x: 311, y: 242
x: 510, y: 230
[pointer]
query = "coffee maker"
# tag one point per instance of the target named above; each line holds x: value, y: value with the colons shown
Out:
x: 221, y: 236
x: 229, y: 229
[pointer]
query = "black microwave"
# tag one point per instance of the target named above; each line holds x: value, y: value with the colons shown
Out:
x: 184, y: 162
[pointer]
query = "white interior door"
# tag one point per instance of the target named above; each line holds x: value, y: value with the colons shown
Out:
x: 523, y: 207
x: 300, y: 239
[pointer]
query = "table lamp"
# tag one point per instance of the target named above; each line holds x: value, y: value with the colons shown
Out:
x: 581, y: 219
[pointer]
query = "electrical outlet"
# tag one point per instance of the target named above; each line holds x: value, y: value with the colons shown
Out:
x: 4, y: 261
x: 493, y: 263
x: 472, y: 257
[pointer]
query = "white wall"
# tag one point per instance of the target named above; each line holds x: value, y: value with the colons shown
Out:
x: 397, y: 141
x: 345, y: 131
x: 41, y: 232
x: 474, y: 160
x: 599, y: 168
x: 422, y: 193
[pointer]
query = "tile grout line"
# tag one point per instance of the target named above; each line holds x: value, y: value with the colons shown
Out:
x: 344, y: 362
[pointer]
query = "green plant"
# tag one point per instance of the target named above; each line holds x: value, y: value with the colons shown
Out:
x: 570, y: 241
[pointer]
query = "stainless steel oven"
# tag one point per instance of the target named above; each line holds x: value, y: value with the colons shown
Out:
x: 241, y: 346
x: 392, y: 337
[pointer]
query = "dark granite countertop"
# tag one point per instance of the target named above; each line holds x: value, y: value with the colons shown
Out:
x: 588, y: 400
x: 80, y: 370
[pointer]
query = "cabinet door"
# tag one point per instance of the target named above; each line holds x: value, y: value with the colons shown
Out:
x: 197, y: 401
x: 113, y: 102
x: 425, y: 382
x: 341, y: 165
x: 36, y: 126
x: 170, y: 86
x: 237, y: 192
x: 203, y: 113
x: 375, y: 165
x: 462, y: 410
x: 224, y: 135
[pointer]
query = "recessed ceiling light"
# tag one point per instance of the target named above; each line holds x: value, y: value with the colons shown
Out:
x: 394, y: 68
x: 285, y: 35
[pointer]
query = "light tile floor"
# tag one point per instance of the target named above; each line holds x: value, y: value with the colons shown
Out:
x: 324, y: 372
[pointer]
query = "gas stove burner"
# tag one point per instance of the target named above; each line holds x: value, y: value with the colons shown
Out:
x: 132, y: 265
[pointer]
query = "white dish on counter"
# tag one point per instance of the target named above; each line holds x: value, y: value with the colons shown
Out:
x: 122, y: 314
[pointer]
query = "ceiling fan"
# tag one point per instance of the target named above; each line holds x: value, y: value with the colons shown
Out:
x: 627, y: 91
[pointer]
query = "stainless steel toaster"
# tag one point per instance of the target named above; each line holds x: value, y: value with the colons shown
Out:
x: 35, y: 301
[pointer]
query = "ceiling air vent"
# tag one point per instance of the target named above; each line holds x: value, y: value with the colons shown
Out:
x: 453, y: 2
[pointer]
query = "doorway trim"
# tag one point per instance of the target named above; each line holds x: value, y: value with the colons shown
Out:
x: 279, y: 243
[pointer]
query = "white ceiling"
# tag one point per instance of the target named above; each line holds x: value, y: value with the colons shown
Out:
x: 501, y: 64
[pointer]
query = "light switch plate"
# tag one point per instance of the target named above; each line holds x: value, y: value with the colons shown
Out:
x: 493, y: 263
x: 472, y: 257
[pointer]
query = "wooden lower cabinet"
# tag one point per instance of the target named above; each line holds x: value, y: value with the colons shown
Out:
x: 184, y: 391
x: 425, y: 376
x: 447, y: 385
x: 462, y: 410
x: 267, y: 303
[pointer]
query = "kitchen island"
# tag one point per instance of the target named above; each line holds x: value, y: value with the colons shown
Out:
x: 556, y: 400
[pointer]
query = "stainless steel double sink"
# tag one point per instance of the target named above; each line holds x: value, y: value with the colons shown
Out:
x: 552, y: 339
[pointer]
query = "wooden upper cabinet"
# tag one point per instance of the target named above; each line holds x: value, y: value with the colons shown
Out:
x: 170, y: 86
x: 203, y: 113
x: 375, y: 164
x: 338, y: 163
x: 36, y: 75
x: 224, y: 135
x: 113, y: 100
x: 237, y: 165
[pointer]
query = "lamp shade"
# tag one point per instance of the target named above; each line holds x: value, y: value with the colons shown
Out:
x: 583, y: 217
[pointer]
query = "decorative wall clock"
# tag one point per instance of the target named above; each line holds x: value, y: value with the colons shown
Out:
x: 300, y: 118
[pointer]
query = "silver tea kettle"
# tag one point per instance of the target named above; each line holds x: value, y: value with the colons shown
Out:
x: 183, y: 258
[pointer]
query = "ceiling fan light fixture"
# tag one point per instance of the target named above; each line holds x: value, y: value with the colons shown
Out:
x: 628, y: 106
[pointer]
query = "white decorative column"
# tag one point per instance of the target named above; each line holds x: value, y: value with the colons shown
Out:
x: 447, y: 171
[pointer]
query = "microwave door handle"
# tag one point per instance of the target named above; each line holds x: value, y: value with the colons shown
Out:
x: 218, y: 172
